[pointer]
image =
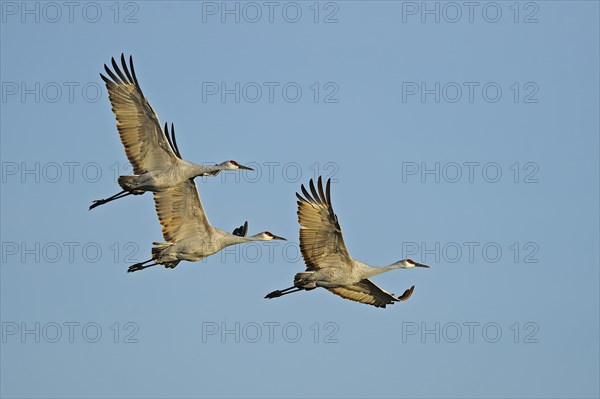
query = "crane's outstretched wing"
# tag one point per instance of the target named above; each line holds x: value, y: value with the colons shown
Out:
x: 321, y: 241
x: 180, y: 212
x: 365, y: 291
x: 146, y: 145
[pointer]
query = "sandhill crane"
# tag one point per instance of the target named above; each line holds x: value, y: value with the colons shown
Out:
x: 187, y: 231
x: 328, y: 263
x: 155, y: 157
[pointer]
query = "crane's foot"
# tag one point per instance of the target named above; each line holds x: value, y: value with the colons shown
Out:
x: 279, y: 293
x: 136, y: 267
x: 274, y: 294
x: 141, y: 265
x: 96, y: 203
x: 103, y: 201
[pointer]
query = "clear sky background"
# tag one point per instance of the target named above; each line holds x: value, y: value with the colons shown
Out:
x: 469, y: 143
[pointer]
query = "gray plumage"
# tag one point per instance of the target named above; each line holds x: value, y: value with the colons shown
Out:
x: 187, y: 231
x: 153, y: 153
x: 328, y: 263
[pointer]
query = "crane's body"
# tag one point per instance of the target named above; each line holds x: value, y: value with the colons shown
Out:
x: 188, y: 233
x: 334, y: 277
x: 193, y: 249
x: 328, y: 263
x: 153, y: 153
x: 161, y: 179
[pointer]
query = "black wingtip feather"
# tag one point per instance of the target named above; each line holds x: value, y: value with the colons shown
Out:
x: 314, y: 192
x: 169, y: 137
x: 306, y: 194
x: 242, y: 230
x: 117, y: 70
x: 166, y: 132
x: 125, y: 69
x: 111, y: 74
x: 105, y: 79
x: 133, y: 73
x: 120, y: 73
x: 176, y: 149
x: 321, y: 193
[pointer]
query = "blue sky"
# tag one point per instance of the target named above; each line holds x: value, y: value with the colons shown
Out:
x: 464, y: 138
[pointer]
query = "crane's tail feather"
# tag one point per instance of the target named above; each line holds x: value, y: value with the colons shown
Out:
x: 131, y: 184
x: 157, y: 248
x: 299, y: 278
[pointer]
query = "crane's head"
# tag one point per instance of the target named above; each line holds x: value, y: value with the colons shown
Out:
x: 233, y: 165
x: 409, y: 263
x: 268, y: 236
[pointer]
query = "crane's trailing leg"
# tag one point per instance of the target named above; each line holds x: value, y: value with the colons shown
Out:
x: 140, y: 266
x: 118, y: 195
x: 129, y: 184
x: 279, y: 293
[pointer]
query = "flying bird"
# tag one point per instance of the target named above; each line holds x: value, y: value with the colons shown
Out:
x: 154, y: 155
x: 328, y: 263
x: 187, y: 231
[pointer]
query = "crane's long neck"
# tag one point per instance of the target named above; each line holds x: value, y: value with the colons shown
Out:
x: 199, y: 170
x: 367, y: 271
x: 232, y: 239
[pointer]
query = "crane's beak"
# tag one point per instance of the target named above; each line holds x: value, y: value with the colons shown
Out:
x: 421, y: 265
x: 278, y: 238
x: 244, y: 167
